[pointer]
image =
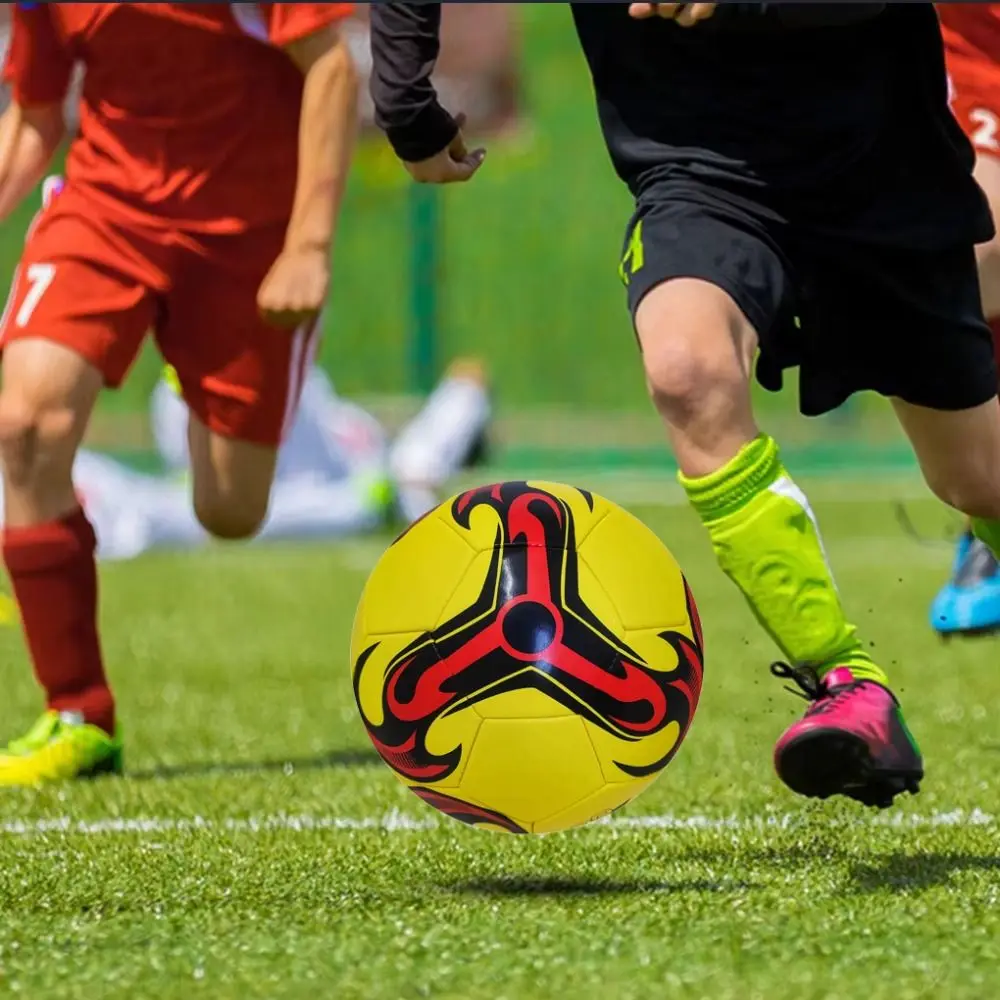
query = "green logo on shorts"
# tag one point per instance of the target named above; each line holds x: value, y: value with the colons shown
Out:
x: 634, y: 256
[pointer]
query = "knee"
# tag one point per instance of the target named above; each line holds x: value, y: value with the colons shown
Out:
x: 974, y: 497
x: 696, y: 380
x: 697, y: 351
x: 231, y: 484
x: 689, y: 385
x: 36, y: 441
x: 227, y: 519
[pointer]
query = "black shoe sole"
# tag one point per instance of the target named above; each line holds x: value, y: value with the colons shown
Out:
x: 823, y: 763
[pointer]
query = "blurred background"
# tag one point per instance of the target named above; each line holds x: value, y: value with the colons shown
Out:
x: 518, y: 268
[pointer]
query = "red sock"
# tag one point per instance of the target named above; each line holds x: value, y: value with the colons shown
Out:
x: 54, y: 575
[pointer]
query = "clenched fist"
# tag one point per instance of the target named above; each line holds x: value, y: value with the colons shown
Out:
x: 295, y: 288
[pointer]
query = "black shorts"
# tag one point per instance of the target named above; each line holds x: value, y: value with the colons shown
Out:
x: 850, y: 315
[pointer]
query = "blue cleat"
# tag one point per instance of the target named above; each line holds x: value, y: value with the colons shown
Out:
x: 969, y: 604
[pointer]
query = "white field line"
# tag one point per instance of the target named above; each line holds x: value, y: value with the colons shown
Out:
x: 397, y: 822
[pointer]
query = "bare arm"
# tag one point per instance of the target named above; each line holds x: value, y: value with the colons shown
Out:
x: 29, y: 137
x: 405, y: 40
x: 37, y: 69
x: 326, y: 136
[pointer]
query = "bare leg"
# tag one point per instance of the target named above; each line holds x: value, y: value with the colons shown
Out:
x: 48, y: 394
x: 231, y: 482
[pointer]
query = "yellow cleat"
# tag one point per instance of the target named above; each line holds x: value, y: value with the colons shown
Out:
x: 59, y: 747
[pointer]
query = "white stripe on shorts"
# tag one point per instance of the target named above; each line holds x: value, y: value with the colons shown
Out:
x: 10, y: 302
x: 304, y: 345
x: 51, y: 187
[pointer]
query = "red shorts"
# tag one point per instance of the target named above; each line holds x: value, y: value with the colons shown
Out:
x: 99, y: 286
x: 974, y: 82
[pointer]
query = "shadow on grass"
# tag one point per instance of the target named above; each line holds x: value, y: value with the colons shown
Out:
x: 288, y: 765
x: 908, y: 872
x: 863, y: 872
x: 542, y: 886
x: 778, y: 859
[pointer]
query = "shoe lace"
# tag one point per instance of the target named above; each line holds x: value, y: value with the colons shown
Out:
x: 811, y: 686
x: 806, y: 677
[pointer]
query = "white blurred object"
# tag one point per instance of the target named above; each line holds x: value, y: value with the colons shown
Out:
x: 330, y: 439
x: 413, y: 502
x: 120, y: 504
x: 440, y: 439
x: 133, y: 513
x: 168, y: 421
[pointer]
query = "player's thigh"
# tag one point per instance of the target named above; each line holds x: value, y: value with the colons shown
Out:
x: 959, y: 453
x: 987, y: 173
x: 49, y: 392
x: 988, y: 254
x: 703, y: 288
x: 231, y: 481
x: 241, y: 379
x: 71, y: 326
x: 917, y: 335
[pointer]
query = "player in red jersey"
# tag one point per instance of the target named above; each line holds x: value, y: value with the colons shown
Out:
x: 201, y: 195
x: 970, y: 601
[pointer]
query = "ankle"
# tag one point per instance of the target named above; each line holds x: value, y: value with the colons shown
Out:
x: 93, y: 706
x: 860, y: 664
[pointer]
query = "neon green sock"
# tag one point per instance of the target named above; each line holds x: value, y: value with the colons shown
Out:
x: 988, y: 532
x: 767, y: 541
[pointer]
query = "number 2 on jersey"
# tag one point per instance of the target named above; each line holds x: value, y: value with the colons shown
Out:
x: 985, y: 134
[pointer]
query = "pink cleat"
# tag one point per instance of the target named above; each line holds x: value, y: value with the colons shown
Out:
x: 852, y: 740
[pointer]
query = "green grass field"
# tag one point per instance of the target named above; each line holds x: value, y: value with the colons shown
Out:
x: 258, y: 850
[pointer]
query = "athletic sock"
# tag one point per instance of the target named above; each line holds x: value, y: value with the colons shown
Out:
x: 54, y: 577
x: 988, y: 532
x: 768, y: 543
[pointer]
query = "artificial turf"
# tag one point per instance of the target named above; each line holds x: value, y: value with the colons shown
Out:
x: 257, y: 848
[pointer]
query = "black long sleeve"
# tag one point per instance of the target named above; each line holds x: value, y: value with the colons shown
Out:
x: 405, y: 40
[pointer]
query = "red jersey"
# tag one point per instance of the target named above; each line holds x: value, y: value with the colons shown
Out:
x: 971, y: 29
x: 189, y: 113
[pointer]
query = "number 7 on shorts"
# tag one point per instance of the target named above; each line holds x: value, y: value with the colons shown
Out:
x: 39, y: 277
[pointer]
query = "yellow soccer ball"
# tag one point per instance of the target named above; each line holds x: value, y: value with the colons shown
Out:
x: 527, y: 657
